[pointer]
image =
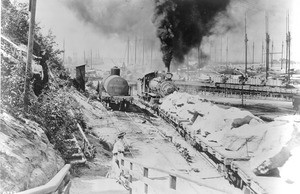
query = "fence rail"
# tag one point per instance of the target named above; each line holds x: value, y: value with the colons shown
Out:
x: 60, y: 183
x: 173, y: 177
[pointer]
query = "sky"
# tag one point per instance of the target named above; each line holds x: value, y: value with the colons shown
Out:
x: 102, y: 27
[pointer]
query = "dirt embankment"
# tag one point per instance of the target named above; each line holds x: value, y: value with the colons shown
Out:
x: 26, y: 156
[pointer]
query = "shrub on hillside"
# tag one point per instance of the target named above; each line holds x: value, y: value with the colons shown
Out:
x: 12, y: 85
x: 52, y: 110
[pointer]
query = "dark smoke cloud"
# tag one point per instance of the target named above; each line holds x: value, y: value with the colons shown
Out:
x: 115, y: 17
x: 182, y: 24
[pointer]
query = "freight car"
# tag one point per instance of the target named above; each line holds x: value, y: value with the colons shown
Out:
x: 224, y: 161
x: 156, y: 85
x: 114, y: 91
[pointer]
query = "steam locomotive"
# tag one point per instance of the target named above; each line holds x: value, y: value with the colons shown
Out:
x: 115, y: 91
x: 155, y: 85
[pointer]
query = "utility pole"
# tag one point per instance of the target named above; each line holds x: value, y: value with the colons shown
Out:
x: 253, y: 53
x: 32, y: 9
x: 267, y: 46
x: 246, y: 40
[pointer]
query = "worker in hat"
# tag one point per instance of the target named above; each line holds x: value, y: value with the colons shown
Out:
x: 118, y: 153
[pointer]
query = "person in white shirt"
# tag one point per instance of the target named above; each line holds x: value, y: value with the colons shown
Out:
x: 118, y: 153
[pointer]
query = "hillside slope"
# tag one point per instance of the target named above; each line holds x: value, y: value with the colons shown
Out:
x: 26, y: 156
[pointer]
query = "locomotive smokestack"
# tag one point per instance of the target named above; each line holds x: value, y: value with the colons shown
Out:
x: 181, y: 25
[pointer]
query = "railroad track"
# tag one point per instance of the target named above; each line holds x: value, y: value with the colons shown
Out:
x: 126, y: 116
x: 202, y: 155
x: 127, y: 120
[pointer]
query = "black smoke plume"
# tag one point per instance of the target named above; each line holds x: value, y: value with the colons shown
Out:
x: 181, y: 25
x: 115, y: 17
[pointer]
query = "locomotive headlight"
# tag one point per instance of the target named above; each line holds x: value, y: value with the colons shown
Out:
x: 169, y: 75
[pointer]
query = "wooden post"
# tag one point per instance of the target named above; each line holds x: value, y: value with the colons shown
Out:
x: 28, y: 73
x: 173, y: 182
x: 146, y: 175
x: 130, y: 177
x: 122, y: 163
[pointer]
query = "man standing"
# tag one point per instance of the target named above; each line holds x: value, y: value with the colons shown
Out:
x: 118, y: 153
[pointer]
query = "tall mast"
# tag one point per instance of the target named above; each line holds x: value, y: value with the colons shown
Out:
x: 253, y: 52
x: 151, y: 53
x: 272, y: 54
x: 64, y: 53
x: 199, y: 60
x: 246, y: 40
x: 262, y: 52
x: 91, y: 59
x: 267, y: 45
x: 227, y: 51
x: 281, y: 61
x: 84, y: 59
x: 143, y: 51
x: 221, y: 51
x: 128, y: 52
x: 288, y: 47
x: 135, y: 42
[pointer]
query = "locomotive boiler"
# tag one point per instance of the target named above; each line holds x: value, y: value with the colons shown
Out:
x: 156, y: 85
x: 115, y: 90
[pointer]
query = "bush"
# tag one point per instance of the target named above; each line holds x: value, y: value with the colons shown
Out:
x: 12, y: 85
x: 52, y: 110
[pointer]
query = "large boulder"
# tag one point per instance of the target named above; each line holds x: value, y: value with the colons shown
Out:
x: 27, y: 158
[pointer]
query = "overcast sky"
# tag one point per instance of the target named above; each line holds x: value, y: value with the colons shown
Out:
x: 82, y: 35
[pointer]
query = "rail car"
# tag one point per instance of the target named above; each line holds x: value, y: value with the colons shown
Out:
x: 282, y: 92
x: 232, y: 167
x: 115, y: 91
x: 155, y: 85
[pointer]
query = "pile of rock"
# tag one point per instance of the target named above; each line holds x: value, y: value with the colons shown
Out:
x: 269, y: 145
